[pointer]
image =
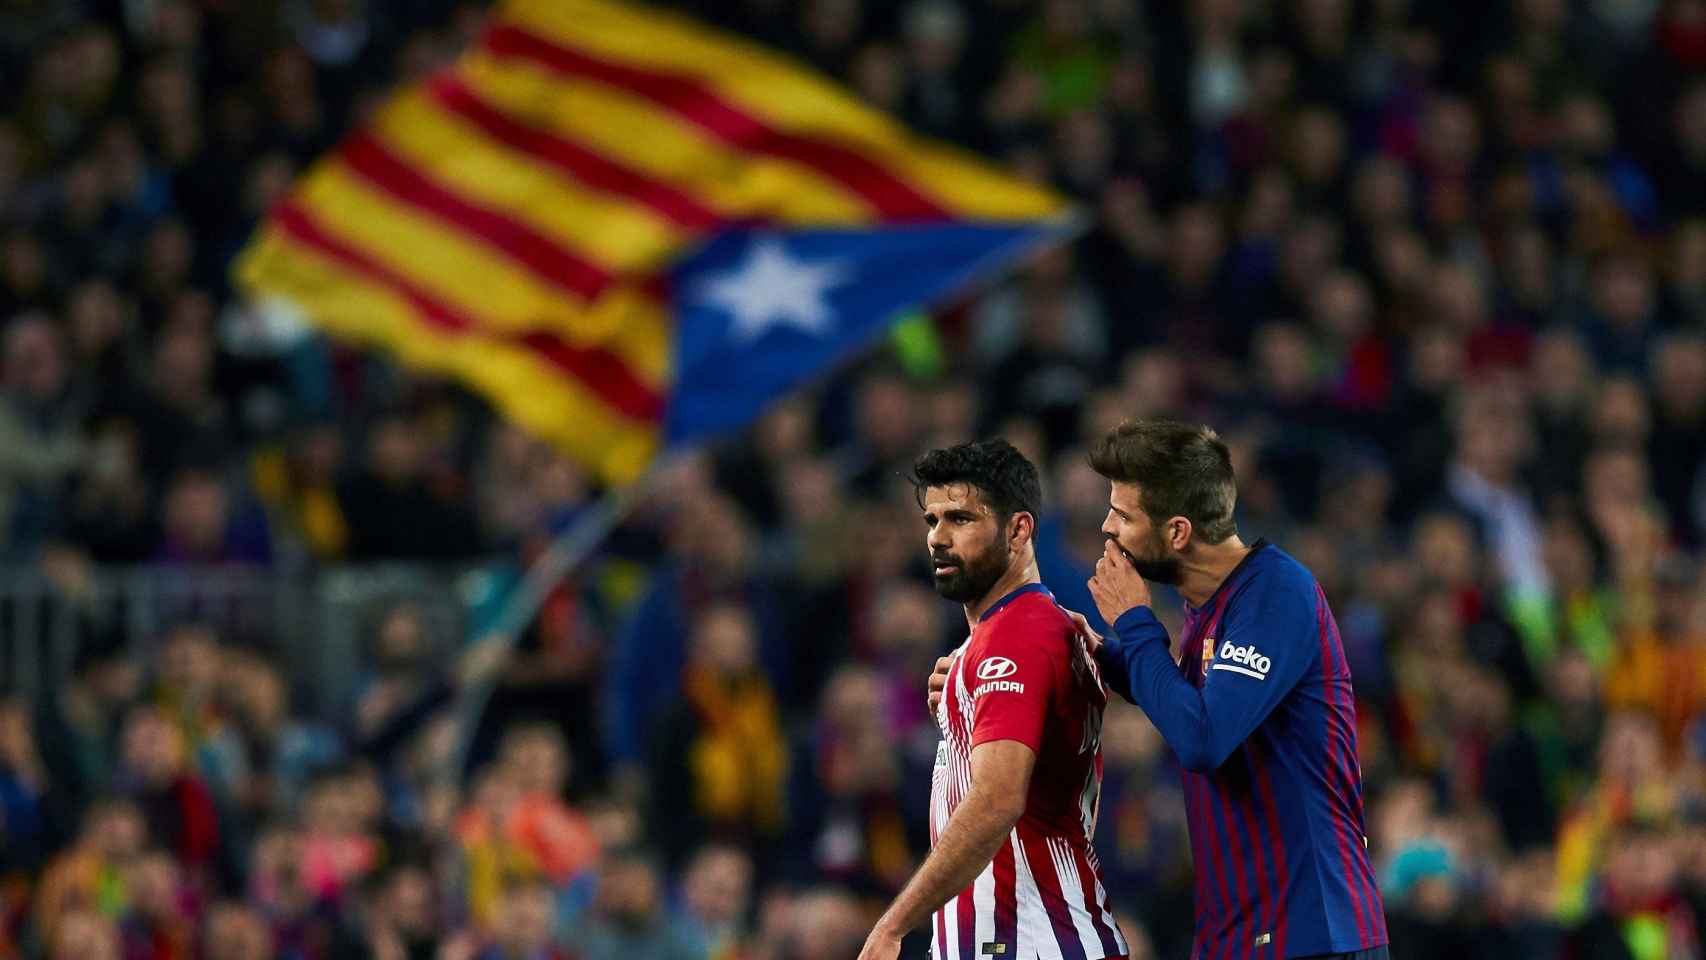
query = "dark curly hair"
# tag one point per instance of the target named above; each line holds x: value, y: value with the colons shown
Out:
x: 1007, y: 480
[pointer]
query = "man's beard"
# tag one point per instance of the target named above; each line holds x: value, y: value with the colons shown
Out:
x: 1157, y: 564
x: 973, y: 578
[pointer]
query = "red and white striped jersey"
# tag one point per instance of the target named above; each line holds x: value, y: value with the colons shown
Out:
x: 1023, y: 675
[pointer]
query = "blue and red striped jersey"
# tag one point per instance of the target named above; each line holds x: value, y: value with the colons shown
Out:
x: 1260, y: 712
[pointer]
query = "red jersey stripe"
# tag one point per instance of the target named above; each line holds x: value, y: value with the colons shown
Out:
x: 1007, y: 894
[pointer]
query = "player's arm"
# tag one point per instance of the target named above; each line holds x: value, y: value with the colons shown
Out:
x: 1017, y: 674
x: 1204, y: 726
x: 1000, y: 780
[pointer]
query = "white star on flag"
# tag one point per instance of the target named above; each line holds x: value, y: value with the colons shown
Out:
x: 771, y: 288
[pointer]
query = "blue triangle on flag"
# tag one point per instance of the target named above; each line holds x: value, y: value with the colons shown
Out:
x: 762, y: 311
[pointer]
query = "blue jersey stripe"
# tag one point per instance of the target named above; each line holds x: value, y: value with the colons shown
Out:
x: 1261, y: 859
x: 1276, y: 848
x: 1338, y: 695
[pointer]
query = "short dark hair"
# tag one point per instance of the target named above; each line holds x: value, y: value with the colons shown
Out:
x: 1007, y: 480
x: 1185, y: 470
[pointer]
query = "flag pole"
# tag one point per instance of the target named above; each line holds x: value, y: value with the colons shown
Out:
x: 561, y: 557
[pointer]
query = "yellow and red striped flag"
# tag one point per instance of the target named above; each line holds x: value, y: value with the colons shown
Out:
x: 628, y: 230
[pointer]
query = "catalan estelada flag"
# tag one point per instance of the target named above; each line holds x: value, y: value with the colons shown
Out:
x: 631, y: 231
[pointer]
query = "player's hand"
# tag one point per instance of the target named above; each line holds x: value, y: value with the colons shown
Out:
x: 1092, y: 639
x: 881, y: 945
x: 937, y: 683
x: 1116, y: 586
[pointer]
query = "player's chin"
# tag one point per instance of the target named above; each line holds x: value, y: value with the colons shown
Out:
x: 951, y: 584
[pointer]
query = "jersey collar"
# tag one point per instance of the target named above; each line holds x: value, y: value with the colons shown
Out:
x: 1255, y: 548
x: 995, y: 607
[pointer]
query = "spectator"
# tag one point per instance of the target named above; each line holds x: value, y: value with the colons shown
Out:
x: 720, y: 762
x: 629, y: 921
x: 711, y: 557
x: 113, y: 834
x: 25, y: 804
x: 555, y: 837
x: 86, y: 935
x: 715, y: 900
x: 525, y: 928
x: 78, y: 724
x: 384, y: 497
x: 158, y: 923
x: 176, y: 801
x: 401, y: 920
x: 235, y: 931
x: 855, y: 807
x: 38, y: 431
x: 1661, y: 664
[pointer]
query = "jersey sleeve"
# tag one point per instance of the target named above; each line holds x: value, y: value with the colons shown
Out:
x: 1014, y: 680
x: 1264, y: 649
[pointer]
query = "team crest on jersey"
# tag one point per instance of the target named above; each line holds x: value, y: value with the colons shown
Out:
x: 1207, y: 654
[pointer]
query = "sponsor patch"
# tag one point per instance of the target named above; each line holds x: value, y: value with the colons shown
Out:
x: 1246, y: 660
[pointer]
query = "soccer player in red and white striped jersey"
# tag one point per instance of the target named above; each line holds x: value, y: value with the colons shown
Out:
x: 1011, y: 872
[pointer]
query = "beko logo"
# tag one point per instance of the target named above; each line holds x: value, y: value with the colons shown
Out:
x: 995, y: 668
x: 1245, y: 660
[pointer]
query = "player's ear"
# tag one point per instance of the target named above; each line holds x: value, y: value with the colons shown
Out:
x: 1021, y: 528
x: 1179, y: 532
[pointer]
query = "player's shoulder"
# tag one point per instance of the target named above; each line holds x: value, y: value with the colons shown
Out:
x: 1271, y: 568
x: 1031, y: 618
x: 1034, y: 611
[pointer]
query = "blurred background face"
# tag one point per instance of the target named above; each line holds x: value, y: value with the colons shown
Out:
x: 725, y: 642
x: 189, y: 661
x: 629, y: 892
x: 153, y: 885
x: 827, y: 925
x: 401, y: 644
x: 115, y: 831
x: 718, y: 885
x: 34, y: 366
x: 407, y: 902
x: 153, y: 747
x: 197, y: 511
x: 525, y: 920
x: 537, y: 761
x: 235, y: 931
x: 909, y: 625
x: 85, y: 935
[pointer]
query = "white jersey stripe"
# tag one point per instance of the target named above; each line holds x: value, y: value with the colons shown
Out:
x: 1072, y: 890
x: 983, y: 897
x: 952, y: 928
x: 1036, y: 935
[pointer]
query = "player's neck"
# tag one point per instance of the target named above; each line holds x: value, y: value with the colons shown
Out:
x: 1208, y: 567
x: 1016, y: 576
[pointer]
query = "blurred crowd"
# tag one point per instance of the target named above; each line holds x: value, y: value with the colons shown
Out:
x: 1437, y: 272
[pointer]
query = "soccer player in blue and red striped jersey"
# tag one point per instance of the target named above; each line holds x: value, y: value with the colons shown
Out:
x: 1258, y: 706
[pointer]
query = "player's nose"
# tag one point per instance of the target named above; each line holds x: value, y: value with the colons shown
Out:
x: 938, y: 537
x: 1109, y: 526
